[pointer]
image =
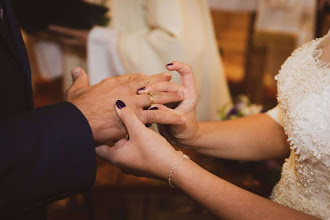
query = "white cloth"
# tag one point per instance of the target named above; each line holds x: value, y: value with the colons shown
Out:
x: 304, y: 101
x: 47, y: 57
x: 103, y: 57
x: 276, y: 114
x: 294, y: 17
x: 156, y: 32
x: 234, y: 5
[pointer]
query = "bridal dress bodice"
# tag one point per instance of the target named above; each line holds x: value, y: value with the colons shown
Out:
x: 304, y: 102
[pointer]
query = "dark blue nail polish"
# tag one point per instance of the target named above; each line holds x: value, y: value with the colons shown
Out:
x: 153, y: 108
x: 170, y: 64
x: 141, y: 89
x: 120, y: 104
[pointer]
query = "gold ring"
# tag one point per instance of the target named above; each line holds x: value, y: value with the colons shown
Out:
x: 151, y: 98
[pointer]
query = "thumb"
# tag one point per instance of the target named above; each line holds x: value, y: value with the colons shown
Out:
x: 80, y: 78
x: 130, y: 120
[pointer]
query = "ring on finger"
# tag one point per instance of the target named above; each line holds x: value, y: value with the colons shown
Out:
x: 152, y: 101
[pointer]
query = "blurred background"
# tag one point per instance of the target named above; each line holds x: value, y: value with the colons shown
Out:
x: 251, y: 39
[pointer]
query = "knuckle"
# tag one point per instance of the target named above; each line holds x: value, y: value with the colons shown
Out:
x: 130, y: 77
x: 69, y: 91
x: 105, y: 81
x: 141, y: 74
x: 151, y: 117
x: 147, y: 98
x: 188, y: 67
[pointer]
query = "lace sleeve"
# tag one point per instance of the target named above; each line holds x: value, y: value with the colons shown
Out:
x: 276, y: 114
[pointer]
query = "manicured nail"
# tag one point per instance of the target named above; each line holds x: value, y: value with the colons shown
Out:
x: 170, y: 64
x: 141, y: 89
x: 120, y: 104
x: 148, y: 125
x: 153, y: 108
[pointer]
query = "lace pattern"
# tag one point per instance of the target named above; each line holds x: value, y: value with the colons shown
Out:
x: 304, y: 99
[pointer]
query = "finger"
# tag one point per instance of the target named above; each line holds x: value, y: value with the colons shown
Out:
x: 135, y: 80
x: 111, y: 154
x: 131, y: 77
x: 80, y: 78
x: 102, y: 152
x: 162, y: 87
x: 147, y: 99
x: 187, y: 76
x: 121, y: 142
x: 151, y: 108
x: 160, y: 77
x: 162, y: 115
x: 145, y: 81
x: 130, y: 120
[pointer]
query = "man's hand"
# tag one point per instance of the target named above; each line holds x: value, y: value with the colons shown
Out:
x: 97, y: 102
x: 146, y: 153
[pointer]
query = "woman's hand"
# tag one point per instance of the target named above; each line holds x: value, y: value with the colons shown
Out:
x: 186, y: 133
x: 144, y: 153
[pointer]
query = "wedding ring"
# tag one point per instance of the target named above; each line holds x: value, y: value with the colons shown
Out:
x: 151, y: 98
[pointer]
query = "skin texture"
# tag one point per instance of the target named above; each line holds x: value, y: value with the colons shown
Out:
x: 251, y: 138
x: 97, y: 102
x: 156, y: 157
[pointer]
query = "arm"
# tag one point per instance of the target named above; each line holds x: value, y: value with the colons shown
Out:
x: 45, y: 155
x: 252, y: 138
x: 228, y: 201
x: 255, y: 137
x: 156, y: 157
x: 49, y: 153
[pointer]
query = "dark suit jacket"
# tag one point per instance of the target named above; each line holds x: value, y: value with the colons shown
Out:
x: 45, y: 154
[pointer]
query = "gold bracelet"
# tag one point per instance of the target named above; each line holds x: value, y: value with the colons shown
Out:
x: 176, y: 166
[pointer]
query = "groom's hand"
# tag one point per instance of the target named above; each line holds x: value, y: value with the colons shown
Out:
x: 97, y: 102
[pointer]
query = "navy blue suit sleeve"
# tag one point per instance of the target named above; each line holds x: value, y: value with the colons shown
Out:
x: 45, y: 155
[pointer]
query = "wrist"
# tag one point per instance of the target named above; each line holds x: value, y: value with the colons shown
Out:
x: 175, y: 166
x: 192, y: 139
x: 178, y: 170
x: 176, y: 156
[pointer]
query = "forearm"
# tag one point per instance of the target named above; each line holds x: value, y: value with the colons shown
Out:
x: 255, y: 137
x: 50, y: 146
x: 226, y: 200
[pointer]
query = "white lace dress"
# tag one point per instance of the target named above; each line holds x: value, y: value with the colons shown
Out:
x: 304, y: 108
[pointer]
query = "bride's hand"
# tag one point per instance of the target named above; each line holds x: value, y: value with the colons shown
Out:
x: 188, y: 132
x: 145, y: 153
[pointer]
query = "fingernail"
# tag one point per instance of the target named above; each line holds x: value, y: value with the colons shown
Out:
x: 148, y: 125
x: 168, y: 76
x: 153, y: 108
x: 170, y: 64
x: 75, y: 72
x: 120, y: 104
x: 141, y: 89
